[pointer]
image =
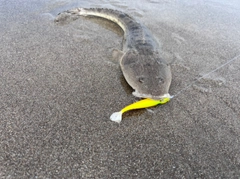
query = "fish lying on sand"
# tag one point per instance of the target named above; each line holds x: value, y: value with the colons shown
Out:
x: 141, y: 63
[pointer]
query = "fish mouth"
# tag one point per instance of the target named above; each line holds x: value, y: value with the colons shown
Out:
x: 140, y: 95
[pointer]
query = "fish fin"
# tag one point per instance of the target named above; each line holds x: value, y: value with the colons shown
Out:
x: 116, y: 117
x: 65, y: 17
x: 168, y: 57
x: 117, y: 55
x: 78, y: 11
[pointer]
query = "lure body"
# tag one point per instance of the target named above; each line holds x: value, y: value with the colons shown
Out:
x: 145, y: 103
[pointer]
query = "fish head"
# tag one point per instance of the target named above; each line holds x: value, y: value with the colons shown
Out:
x: 148, y: 74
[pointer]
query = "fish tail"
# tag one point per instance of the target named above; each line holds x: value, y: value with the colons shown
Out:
x: 78, y: 11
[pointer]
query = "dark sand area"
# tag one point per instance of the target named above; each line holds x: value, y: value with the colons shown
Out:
x: 59, y: 85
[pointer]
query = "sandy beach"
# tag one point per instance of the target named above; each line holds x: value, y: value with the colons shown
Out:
x: 59, y: 85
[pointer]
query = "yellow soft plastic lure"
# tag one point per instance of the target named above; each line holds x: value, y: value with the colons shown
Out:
x: 145, y: 103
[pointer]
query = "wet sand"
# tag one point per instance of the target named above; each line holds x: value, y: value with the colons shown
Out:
x: 59, y: 85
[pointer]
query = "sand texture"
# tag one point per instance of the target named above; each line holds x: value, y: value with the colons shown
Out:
x: 59, y: 85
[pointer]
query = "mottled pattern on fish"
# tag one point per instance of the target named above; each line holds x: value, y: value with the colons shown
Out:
x: 141, y: 62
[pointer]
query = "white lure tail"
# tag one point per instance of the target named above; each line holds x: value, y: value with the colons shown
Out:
x: 116, y: 117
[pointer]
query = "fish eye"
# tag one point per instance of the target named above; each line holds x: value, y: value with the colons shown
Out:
x: 161, y: 80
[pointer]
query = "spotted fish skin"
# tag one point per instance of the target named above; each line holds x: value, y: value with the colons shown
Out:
x: 141, y: 62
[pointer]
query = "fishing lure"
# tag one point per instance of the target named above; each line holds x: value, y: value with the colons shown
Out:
x: 145, y: 103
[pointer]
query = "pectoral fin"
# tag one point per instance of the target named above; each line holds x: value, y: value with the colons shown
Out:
x: 117, y: 55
